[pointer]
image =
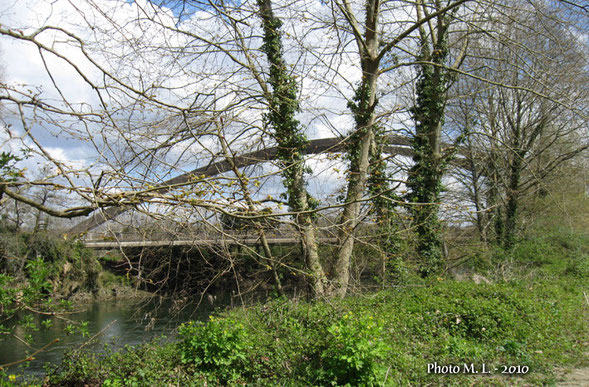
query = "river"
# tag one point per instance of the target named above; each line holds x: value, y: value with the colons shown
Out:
x: 125, y: 322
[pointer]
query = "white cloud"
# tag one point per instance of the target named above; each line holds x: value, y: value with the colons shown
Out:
x: 146, y: 53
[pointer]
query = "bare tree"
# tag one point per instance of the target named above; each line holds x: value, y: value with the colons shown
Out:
x: 524, y: 129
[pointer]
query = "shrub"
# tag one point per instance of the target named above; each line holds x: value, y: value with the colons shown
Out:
x: 219, y: 347
x: 151, y: 364
x: 38, y: 272
x: 354, y: 347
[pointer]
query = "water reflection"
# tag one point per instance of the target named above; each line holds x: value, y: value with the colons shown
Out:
x: 131, y: 322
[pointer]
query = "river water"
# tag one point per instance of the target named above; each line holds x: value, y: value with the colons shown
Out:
x: 125, y: 322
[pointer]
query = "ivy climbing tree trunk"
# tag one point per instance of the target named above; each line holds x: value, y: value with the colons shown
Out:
x: 364, y: 140
x: 283, y: 105
x: 425, y: 177
x: 384, y: 206
x: 361, y: 140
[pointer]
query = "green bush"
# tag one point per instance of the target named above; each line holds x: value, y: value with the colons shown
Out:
x: 38, y: 272
x: 355, y: 344
x: 220, y: 347
x: 152, y: 364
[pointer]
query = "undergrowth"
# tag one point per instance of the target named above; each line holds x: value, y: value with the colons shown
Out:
x: 532, y: 315
x: 385, y: 338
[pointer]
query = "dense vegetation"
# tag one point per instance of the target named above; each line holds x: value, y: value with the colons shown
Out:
x: 45, y: 277
x: 531, y: 314
x: 523, y: 307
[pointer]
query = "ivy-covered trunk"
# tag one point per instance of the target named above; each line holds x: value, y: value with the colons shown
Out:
x: 361, y: 143
x: 515, y: 166
x: 283, y: 105
x: 512, y: 201
x: 359, y: 155
x: 384, y: 205
x: 494, y: 205
x: 425, y: 177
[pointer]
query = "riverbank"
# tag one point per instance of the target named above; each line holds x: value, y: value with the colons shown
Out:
x: 35, y: 267
x: 54, y: 294
x: 522, y: 320
x: 515, y: 317
x: 440, y: 333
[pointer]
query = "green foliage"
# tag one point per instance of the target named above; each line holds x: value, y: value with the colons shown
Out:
x: 283, y: 106
x: 38, y: 270
x: 219, y: 347
x: 355, y: 345
x: 38, y: 277
x: 385, y: 338
x: 542, y: 254
x: 7, y: 295
x: 425, y: 177
x: 8, y: 170
x: 154, y: 364
x: 42, y: 258
x: 363, y: 111
x: 6, y: 379
x: 16, y: 294
x: 391, y: 335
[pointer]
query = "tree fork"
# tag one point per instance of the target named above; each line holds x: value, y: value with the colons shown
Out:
x: 361, y: 143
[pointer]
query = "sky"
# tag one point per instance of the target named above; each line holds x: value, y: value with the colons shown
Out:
x: 24, y: 68
x: 186, y: 74
x: 82, y: 146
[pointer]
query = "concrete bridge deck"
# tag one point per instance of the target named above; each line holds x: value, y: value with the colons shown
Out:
x: 99, y: 244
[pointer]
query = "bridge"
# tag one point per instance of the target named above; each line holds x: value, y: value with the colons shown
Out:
x: 396, y: 145
x: 101, y: 244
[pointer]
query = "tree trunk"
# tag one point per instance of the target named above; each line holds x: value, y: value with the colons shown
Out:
x: 349, y: 217
x: 291, y: 140
x: 359, y: 152
x: 425, y: 177
x: 512, y: 201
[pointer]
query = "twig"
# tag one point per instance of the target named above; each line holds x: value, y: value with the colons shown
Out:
x: 386, y: 376
x: 96, y: 335
x: 586, y: 299
x: 58, y: 315
x: 53, y: 313
x: 23, y: 341
x: 31, y: 357
x: 83, y: 345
